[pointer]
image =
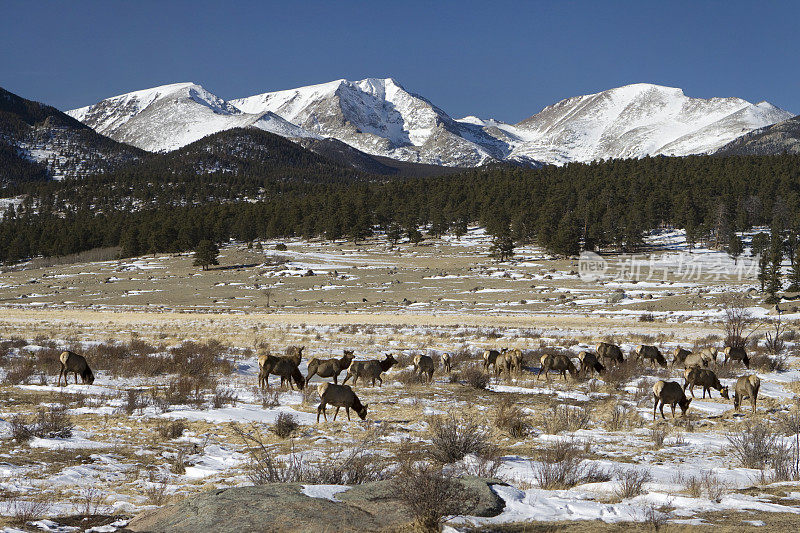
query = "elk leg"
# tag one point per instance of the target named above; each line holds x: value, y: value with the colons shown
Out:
x: 347, y: 410
x: 336, y: 413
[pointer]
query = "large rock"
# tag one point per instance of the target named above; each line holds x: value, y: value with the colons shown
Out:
x: 281, y: 507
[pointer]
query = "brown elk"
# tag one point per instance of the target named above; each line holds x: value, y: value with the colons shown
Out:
x: 679, y: 356
x: 652, y: 353
x: 284, y: 367
x: 329, y: 368
x: 72, y: 362
x: 736, y: 353
x: 490, y: 358
x: 704, y: 377
x: 610, y: 352
x: 746, y: 387
x: 370, y: 370
x: 339, y: 396
x: 558, y: 362
x: 669, y: 392
x: 447, y: 362
x: 423, y: 364
x: 589, y: 363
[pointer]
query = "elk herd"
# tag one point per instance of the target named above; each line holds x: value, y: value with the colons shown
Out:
x: 697, y: 372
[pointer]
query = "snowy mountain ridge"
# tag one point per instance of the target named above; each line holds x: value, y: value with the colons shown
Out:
x: 380, y: 117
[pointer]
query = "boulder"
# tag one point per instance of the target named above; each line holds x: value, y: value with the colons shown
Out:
x: 283, y: 507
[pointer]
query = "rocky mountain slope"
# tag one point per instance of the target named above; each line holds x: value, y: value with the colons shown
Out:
x: 38, y: 141
x: 381, y: 118
x: 783, y: 137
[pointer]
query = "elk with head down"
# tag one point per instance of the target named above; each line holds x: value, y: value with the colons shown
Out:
x: 558, y: 362
x: 370, y: 370
x: 669, y: 392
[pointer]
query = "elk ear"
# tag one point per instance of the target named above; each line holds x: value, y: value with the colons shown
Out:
x: 366, y: 405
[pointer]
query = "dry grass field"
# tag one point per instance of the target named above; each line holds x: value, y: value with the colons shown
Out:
x: 175, y: 410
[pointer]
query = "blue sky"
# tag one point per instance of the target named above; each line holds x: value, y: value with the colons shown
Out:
x: 497, y: 59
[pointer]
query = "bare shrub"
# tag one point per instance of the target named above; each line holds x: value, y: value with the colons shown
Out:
x: 184, y: 390
x: 155, y: 489
x: 770, y: 363
x: 455, y: 435
x: 785, y: 462
x: 407, y: 377
x: 474, y: 376
x: 560, y: 417
x: 623, y: 418
x: 511, y: 419
x: 484, y: 464
x: 754, y: 444
x: 350, y: 466
x: 135, y: 400
x: 559, y: 466
x: 169, y: 430
x: 775, y: 336
x: 737, y: 319
x: 430, y: 493
x: 620, y: 374
x: 223, y: 396
x: 20, y: 371
x: 91, y: 502
x: 705, y: 483
x: 656, y: 517
x: 25, y: 511
x: 658, y: 434
x: 647, y: 317
x: 178, y: 462
x: 269, y: 399
x: 631, y: 482
x: 460, y: 357
x: 285, y: 425
x: 21, y: 431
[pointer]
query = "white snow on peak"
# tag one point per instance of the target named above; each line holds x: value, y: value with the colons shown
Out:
x: 379, y: 116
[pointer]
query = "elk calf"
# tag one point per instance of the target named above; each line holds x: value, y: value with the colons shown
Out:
x: 589, y: 363
x: 447, y: 362
x: 746, y: 387
x: 370, y: 370
x: 558, y: 362
x: 423, y: 364
x: 339, y: 396
x: 669, y: 392
x: 705, y: 378
x: 72, y: 362
x: 329, y: 368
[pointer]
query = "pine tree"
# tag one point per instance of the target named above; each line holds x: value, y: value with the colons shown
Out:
x: 735, y: 247
x: 394, y: 233
x: 206, y: 254
x: 502, y: 247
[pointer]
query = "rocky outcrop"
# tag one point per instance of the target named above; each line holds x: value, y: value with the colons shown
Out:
x: 283, y: 507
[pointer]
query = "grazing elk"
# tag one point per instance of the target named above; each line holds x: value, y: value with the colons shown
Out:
x: 704, y: 377
x: 746, y: 387
x: 589, y: 363
x: 679, y: 356
x: 698, y: 359
x: 611, y: 352
x: 423, y: 364
x: 447, y: 362
x: 370, y: 370
x: 490, y: 358
x: 279, y: 366
x: 339, y: 396
x: 736, y: 353
x: 329, y: 368
x: 652, y: 353
x: 72, y: 362
x: 558, y: 362
x: 669, y: 392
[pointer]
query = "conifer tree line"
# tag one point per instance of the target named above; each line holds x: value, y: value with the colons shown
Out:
x: 604, y: 206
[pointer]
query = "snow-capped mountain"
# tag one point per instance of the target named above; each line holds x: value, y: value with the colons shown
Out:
x: 171, y: 116
x: 630, y: 122
x: 380, y: 117
x: 780, y: 138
